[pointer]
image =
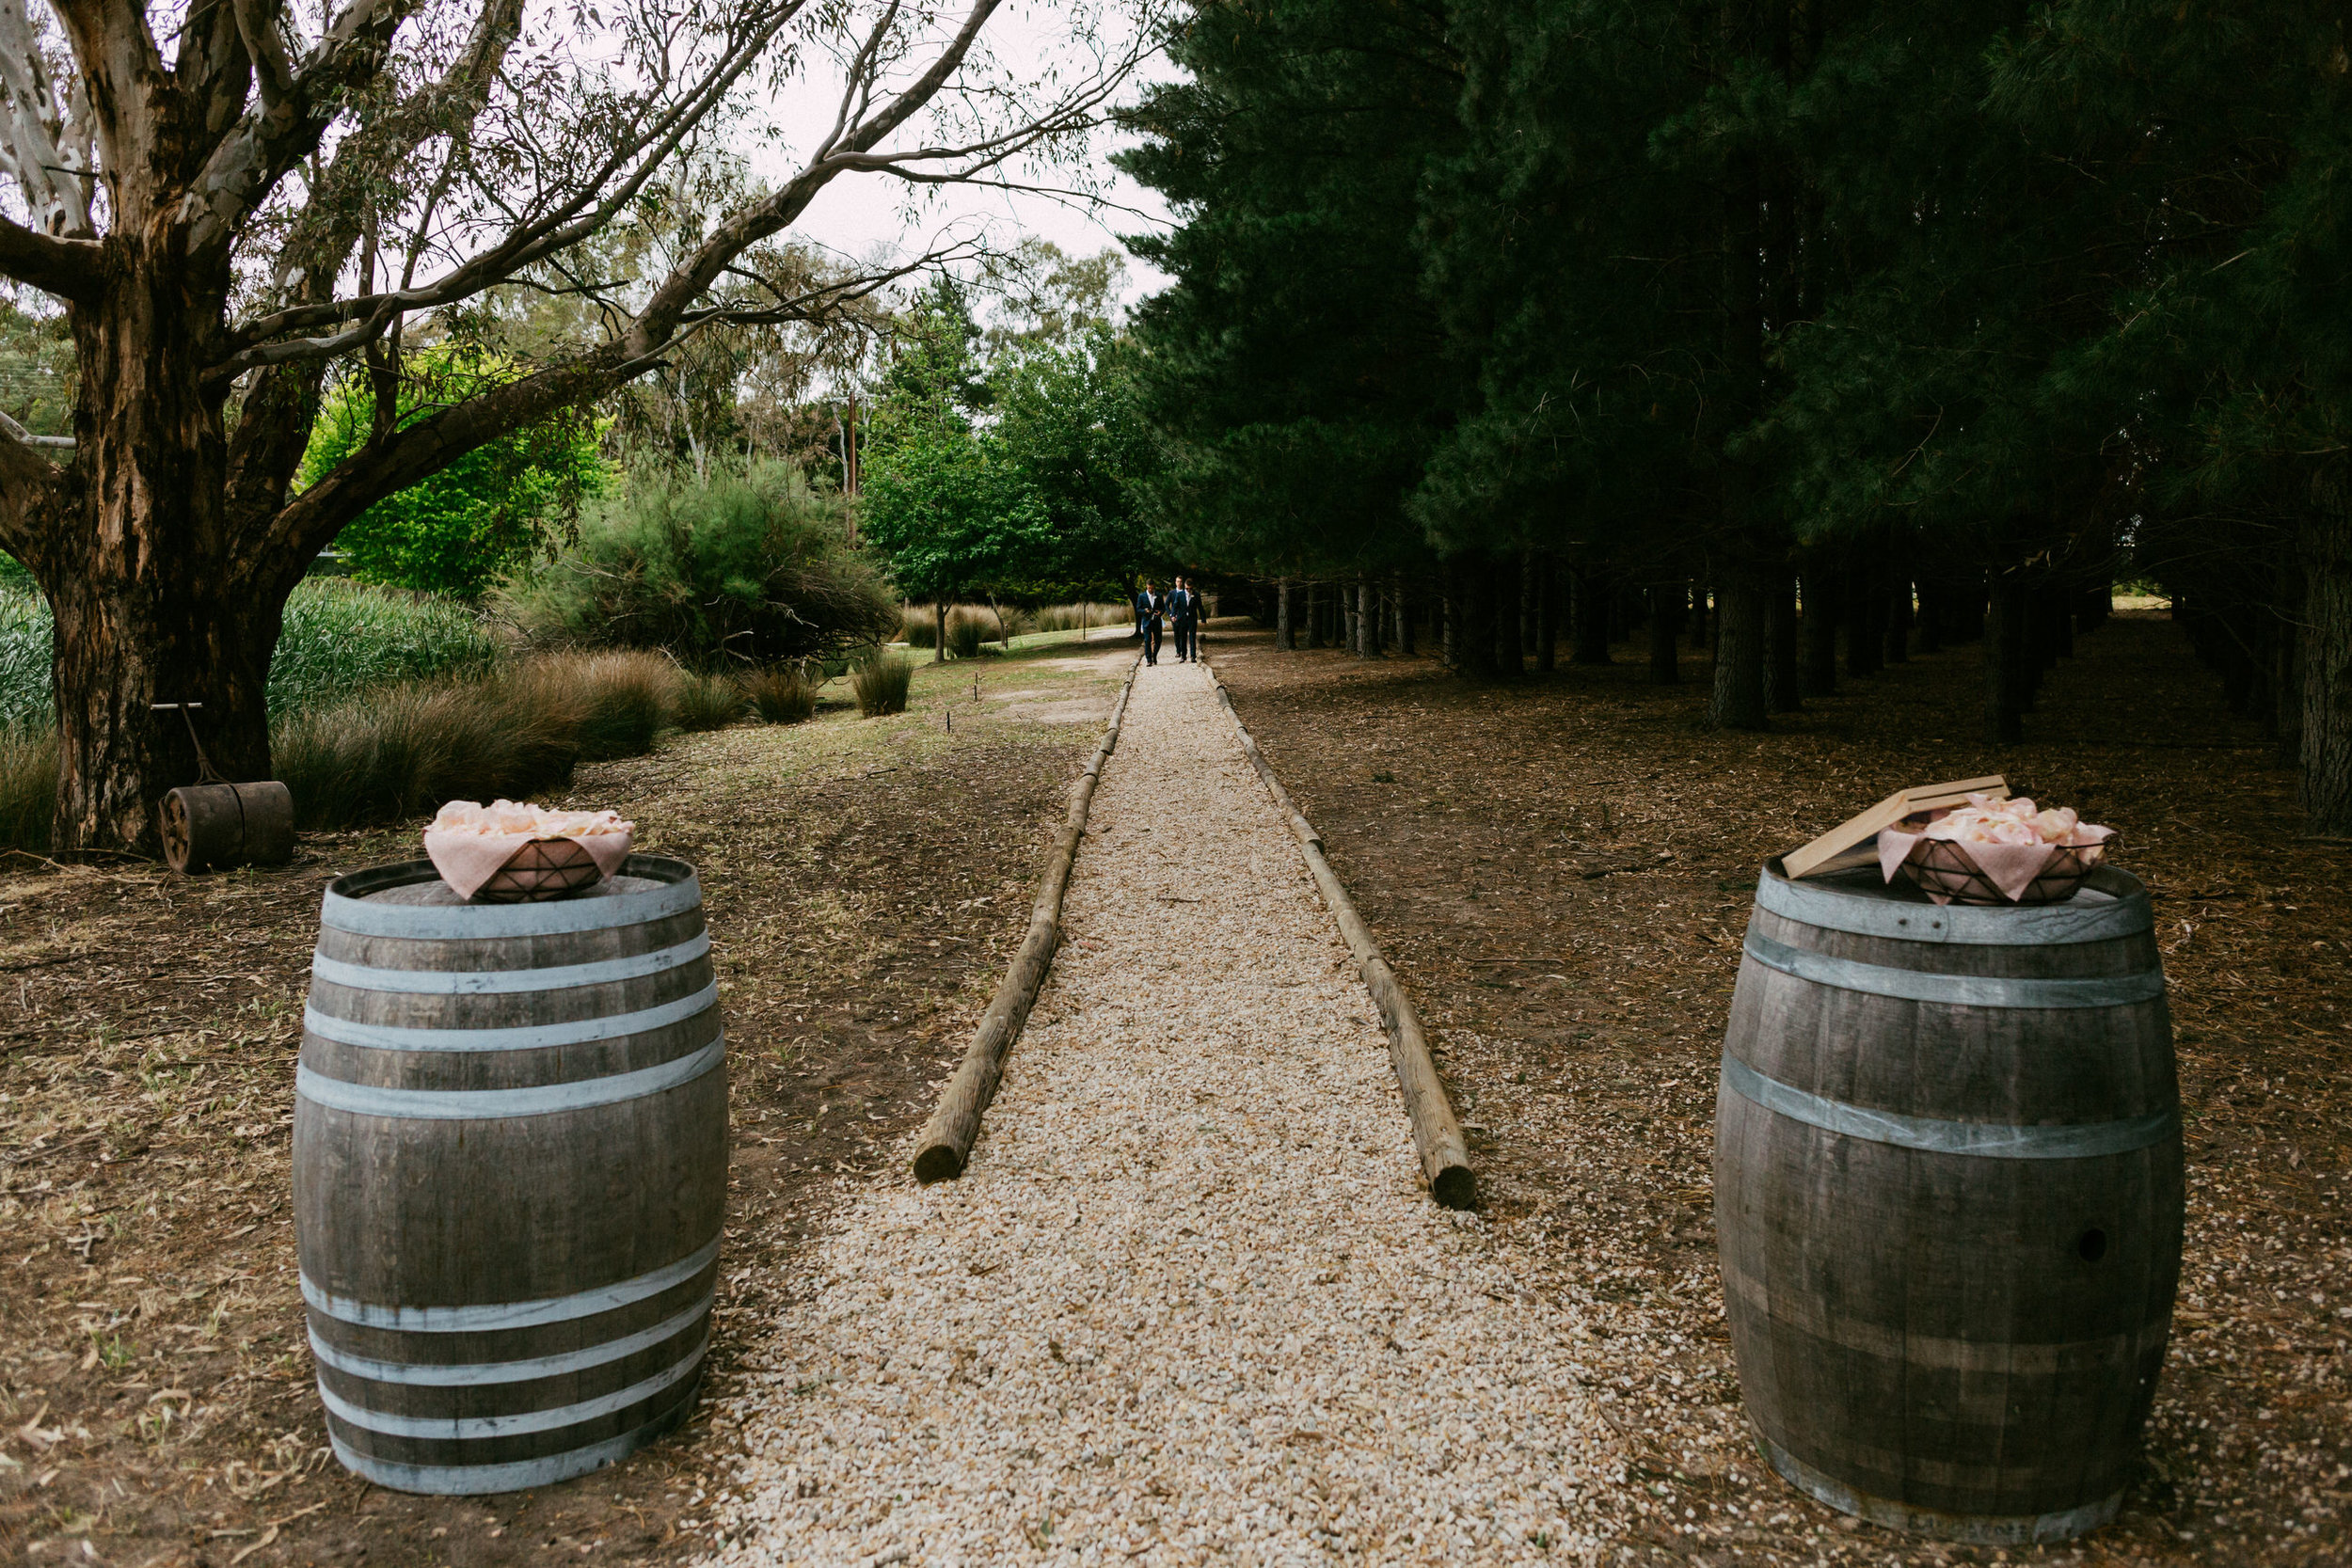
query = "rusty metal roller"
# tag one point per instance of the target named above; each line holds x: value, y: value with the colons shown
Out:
x: 213, y: 824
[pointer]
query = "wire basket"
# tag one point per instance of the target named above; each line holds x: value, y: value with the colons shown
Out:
x: 543, y: 869
x: 1943, y: 869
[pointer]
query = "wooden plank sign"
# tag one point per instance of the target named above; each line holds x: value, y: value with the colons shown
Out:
x: 1840, y: 848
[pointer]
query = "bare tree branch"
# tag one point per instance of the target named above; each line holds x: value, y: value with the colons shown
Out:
x: 68, y: 268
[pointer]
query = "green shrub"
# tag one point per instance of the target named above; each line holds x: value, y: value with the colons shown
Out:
x: 968, y: 628
x: 28, y: 789
x: 753, y: 565
x: 781, y: 694
x: 705, y: 703
x: 880, y: 684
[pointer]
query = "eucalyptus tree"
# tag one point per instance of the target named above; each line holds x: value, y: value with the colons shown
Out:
x: 227, y: 199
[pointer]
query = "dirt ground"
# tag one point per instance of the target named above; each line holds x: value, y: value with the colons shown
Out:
x: 1560, y: 869
x: 866, y: 881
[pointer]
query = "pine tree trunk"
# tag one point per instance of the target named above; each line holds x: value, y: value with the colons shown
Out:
x: 1930, y: 617
x: 1699, y: 637
x: 2326, y: 657
x: 1592, y: 617
x: 1284, y: 640
x: 2004, y: 660
x: 1314, y: 619
x: 1895, y: 645
x: 1406, y: 609
x: 1819, y: 676
x: 1450, y: 643
x: 1367, y: 620
x: 1552, y: 586
x: 1530, y: 602
x: 1781, y: 686
x: 1508, y: 604
x: 1865, y: 609
x: 1665, y: 654
x: 2286, y: 683
x: 1741, y: 647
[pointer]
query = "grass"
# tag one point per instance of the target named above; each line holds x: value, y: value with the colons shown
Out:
x: 342, y: 637
x: 518, y: 732
x: 706, y: 703
x: 28, y: 788
x: 881, y: 684
x: 968, y: 628
x: 781, y: 694
x: 1082, y: 617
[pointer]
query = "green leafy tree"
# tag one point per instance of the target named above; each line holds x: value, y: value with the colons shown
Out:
x: 460, y: 529
x: 955, y: 517
x: 1070, y: 420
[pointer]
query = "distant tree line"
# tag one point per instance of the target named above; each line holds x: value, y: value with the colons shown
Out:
x: 1807, y: 328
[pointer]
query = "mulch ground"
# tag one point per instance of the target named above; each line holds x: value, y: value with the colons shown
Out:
x: 867, y: 884
x: 1560, y: 869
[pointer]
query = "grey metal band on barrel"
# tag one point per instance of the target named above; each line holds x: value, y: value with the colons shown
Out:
x: 1965, y: 991
x: 540, y: 1100
x: 368, y: 917
x: 474, y: 1374
x: 1983, y: 1140
x: 2080, y: 919
x: 467, y: 1480
x: 529, y: 1036
x: 492, y: 1317
x: 472, y: 1428
x: 1983, y: 1529
x: 501, y: 982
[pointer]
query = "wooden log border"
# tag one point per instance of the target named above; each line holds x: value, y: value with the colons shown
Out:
x: 947, y: 1146
x: 1437, y: 1133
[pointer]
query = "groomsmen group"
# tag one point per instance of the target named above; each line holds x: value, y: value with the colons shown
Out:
x: 1180, y: 606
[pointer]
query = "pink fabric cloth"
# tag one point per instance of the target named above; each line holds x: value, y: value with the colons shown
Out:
x: 466, y: 857
x: 2011, y: 868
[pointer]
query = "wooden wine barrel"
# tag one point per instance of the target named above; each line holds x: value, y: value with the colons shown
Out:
x: 510, y: 1168
x: 1947, y: 1199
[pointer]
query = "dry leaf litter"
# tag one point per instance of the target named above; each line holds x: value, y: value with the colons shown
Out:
x: 1190, y: 1300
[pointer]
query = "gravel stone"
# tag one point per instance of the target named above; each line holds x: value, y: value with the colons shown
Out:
x: 1190, y: 1301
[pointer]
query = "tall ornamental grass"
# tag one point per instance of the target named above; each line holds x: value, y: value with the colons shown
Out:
x: 516, y: 733
x: 880, y: 683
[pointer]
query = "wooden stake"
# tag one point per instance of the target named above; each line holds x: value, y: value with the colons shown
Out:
x: 947, y: 1146
x: 1437, y: 1134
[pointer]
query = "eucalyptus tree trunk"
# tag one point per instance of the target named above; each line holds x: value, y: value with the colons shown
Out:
x: 134, y: 546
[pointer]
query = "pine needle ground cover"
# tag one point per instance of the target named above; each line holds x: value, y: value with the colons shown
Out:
x: 867, y: 881
x: 1561, y: 871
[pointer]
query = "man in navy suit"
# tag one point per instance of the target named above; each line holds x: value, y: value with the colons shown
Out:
x: 1150, y: 605
x: 1184, y: 607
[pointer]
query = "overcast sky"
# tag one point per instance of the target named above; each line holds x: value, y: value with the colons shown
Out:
x: 864, y: 215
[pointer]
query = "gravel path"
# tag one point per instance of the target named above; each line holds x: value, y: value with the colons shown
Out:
x: 1190, y: 1303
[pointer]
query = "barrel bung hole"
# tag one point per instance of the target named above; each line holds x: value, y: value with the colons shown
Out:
x: 2092, y: 1245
